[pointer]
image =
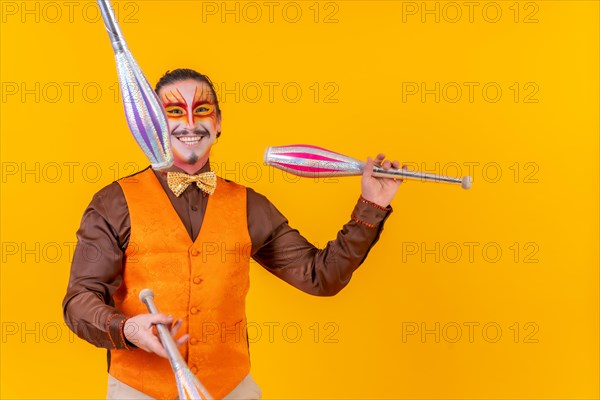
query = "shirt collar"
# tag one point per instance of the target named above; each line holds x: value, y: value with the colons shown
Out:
x: 204, y: 168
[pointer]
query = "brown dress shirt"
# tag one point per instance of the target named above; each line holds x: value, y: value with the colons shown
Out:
x: 103, y: 237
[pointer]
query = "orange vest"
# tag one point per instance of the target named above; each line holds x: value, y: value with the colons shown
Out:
x: 203, y: 282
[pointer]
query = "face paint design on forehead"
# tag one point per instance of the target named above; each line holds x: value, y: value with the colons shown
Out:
x: 204, y: 95
x: 173, y: 98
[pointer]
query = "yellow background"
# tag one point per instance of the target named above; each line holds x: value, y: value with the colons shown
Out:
x: 549, y: 208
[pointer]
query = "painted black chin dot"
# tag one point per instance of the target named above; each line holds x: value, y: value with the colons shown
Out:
x: 193, y: 159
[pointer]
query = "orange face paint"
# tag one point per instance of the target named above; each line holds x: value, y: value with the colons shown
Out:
x: 177, y: 107
x: 193, y: 121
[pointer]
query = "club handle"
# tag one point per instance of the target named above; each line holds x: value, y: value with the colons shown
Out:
x: 117, y: 40
x: 465, y: 182
x: 147, y: 297
x: 188, y: 386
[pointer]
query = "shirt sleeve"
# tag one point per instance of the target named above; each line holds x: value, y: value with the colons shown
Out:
x: 285, y: 253
x: 96, y: 271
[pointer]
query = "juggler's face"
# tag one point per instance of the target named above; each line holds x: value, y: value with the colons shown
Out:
x: 193, y: 122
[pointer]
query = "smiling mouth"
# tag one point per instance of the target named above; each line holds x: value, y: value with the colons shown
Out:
x: 190, y: 140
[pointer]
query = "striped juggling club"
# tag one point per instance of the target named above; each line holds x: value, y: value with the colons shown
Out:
x: 144, y: 113
x: 317, y: 162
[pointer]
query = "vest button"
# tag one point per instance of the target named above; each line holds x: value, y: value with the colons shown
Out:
x: 193, y: 341
x: 194, y: 310
x: 197, y: 280
x: 194, y: 370
x: 195, y: 252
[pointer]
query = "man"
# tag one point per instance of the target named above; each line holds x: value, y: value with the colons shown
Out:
x: 154, y: 229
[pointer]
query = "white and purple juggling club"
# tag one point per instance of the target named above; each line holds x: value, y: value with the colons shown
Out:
x: 317, y: 162
x: 144, y: 113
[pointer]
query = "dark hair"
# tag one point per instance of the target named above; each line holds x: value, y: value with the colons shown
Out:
x: 182, y: 74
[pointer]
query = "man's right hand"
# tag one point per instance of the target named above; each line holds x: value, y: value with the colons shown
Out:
x: 140, y: 331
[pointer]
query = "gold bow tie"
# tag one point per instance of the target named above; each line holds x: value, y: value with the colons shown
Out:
x: 178, y: 182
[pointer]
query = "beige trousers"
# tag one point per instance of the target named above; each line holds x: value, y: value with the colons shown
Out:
x: 246, y: 390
